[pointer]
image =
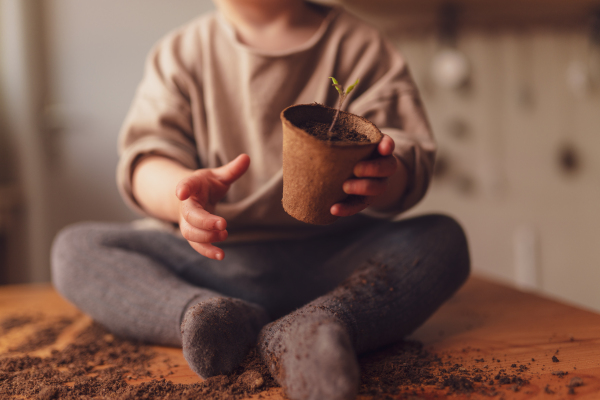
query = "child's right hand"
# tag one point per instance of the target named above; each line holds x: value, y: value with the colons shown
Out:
x: 198, y: 194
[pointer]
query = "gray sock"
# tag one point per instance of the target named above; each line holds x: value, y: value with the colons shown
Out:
x: 309, y: 352
x: 218, y: 333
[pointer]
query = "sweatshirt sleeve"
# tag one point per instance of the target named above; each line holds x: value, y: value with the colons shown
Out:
x: 159, y: 121
x: 389, y: 98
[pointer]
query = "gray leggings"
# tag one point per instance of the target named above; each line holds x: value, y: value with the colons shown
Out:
x: 138, y: 283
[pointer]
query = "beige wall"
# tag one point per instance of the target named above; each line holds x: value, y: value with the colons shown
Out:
x: 96, y: 50
x: 21, y: 94
x: 69, y: 71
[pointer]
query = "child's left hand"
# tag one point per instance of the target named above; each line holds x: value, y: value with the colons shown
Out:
x: 371, y: 180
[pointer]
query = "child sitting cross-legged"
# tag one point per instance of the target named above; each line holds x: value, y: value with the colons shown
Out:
x: 200, y: 151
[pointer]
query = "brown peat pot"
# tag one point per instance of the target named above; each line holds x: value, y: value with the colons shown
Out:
x: 314, y: 170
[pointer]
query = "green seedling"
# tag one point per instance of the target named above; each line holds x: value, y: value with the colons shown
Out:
x: 343, y: 94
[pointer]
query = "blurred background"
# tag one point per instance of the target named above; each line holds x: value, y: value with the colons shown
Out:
x: 512, y: 88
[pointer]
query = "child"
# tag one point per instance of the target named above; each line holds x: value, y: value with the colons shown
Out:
x: 312, y: 297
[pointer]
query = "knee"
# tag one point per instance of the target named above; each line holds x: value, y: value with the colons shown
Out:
x: 449, y: 238
x: 447, y: 228
x: 70, y: 251
x: 441, y: 239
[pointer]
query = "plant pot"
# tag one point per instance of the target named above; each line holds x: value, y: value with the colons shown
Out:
x: 314, y: 170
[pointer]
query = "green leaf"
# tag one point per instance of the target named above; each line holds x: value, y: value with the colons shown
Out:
x: 352, y: 86
x: 338, y: 87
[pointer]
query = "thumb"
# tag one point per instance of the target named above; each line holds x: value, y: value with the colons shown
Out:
x: 386, y: 146
x: 233, y: 170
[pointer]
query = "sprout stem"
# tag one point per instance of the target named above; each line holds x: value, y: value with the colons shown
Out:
x: 342, y: 96
x: 337, y: 114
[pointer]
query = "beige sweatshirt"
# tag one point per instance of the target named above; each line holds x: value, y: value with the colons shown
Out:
x: 205, y: 98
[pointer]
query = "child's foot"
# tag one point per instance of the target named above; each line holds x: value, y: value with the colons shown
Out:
x: 309, y: 352
x: 218, y: 333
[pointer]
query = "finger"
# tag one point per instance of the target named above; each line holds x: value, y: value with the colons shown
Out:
x: 365, y: 187
x: 382, y: 167
x: 182, y: 191
x: 353, y: 205
x: 188, y: 186
x: 198, y: 217
x: 233, y: 170
x: 200, y: 235
x: 208, y: 250
x: 386, y: 146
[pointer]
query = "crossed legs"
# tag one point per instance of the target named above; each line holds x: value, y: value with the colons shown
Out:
x: 350, y: 294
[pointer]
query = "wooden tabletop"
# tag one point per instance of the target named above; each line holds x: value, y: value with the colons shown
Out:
x: 484, y: 324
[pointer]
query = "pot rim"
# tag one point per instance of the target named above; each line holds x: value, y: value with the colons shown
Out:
x: 302, y: 132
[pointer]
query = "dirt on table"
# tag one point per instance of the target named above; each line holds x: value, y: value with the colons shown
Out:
x: 99, y: 365
x: 44, y: 336
x: 320, y: 130
x: 12, y: 322
x: 407, y: 368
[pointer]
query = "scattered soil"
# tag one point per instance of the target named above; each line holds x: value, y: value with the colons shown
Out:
x: 44, y: 336
x: 320, y: 130
x: 408, y: 368
x: 547, y: 390
x: 575, y: 382
x: 98, y: 365
x: 13, y: 322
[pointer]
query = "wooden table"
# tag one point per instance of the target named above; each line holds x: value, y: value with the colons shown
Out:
x: 484, y: 320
